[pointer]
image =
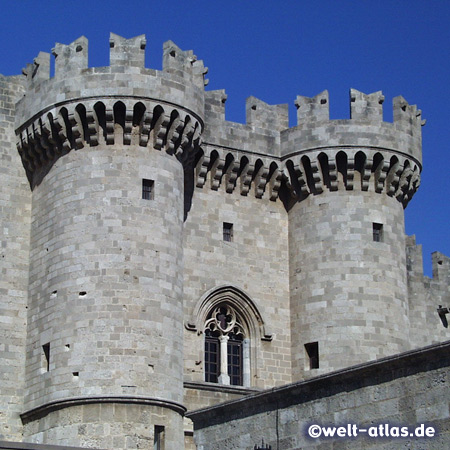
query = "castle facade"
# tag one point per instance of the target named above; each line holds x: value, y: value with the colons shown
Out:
x: 157, y: 259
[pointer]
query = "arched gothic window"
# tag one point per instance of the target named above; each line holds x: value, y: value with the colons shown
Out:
x: 232, y: 327
x: 227, y: 349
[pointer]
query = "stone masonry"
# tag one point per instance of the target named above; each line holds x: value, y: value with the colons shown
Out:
x: 409, y: 389
x: 158, y: 259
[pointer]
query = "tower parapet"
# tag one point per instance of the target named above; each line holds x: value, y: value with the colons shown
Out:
x: 363, y: 152
x: 124, y: 102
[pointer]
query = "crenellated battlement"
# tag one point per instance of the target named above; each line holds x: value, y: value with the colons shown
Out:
x: 122, y: 103
x: 361, y: 153
x: 184, y: 64
x: 126, y: 103
x: 315, y: 130
x: 181, y: 81
x: 327, y: 153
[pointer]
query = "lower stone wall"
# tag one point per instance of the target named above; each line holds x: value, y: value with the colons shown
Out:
x: 107, y: 425
x: 408, y: 389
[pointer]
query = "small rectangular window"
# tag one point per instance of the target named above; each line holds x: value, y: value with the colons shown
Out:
x: 377, y: 232
x: 148, y: 189
x: 158, y: 438
x: 312, y: 350
x: 46, y: 357
x: 227, y: 232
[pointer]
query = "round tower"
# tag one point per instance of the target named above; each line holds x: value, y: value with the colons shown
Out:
x: 104, y: 150
x: 352, y: 180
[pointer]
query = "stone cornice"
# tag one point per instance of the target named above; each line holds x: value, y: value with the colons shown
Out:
x: 46, y: 408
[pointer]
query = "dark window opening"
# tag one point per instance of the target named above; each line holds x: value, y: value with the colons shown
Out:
x: 158, y: 438
x: 147, y: 189
x: 377, y: 232
x: 312, y: 350
x: 46, y: 356
x: 212, y: 357
x: 227, y: 232
x: 235, y: 359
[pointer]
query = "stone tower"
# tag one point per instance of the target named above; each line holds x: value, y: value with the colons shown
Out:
x: 353, y: 178
x: 106, y: 264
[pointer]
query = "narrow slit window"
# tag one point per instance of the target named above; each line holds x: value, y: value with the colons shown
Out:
x: 227, y: 232
x: 235, y: 360
x: 46, y: 357
x: 158, y: 438
x: 312, y: 350
x: 212, y: 357
x: 148, y: 190
x: 377, y: 232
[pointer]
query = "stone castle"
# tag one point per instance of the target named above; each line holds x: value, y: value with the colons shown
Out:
x: 157, y: 259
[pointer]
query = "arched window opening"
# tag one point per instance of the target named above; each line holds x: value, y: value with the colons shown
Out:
x: 231, y: 326
x: 226, y: 348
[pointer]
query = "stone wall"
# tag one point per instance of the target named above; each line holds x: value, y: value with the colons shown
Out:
x: 426, y: 295
x: 407, y: 390
x: 255, y: 262
x: 15, y: 207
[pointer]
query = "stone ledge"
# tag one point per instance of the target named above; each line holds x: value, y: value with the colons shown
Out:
x: 215, y: 387
x: 55, y: 405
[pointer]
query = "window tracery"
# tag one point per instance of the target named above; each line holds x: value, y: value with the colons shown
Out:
x: 225, y: 347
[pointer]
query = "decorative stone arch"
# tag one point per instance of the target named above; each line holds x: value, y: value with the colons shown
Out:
x: 250, y: 319
x: 236, y: 298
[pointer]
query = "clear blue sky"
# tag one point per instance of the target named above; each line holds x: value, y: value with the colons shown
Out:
x: 276, y: 50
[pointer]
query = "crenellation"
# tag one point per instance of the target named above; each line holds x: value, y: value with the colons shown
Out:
x: 313, y: 109
x: 38, y: 71
x: 262, y: 115
x: 441, y: 268
x: 215, y: 106
x: 72, y: 59
x: 183, y: 64
x: 127, y: 52
x: 366, y: 107
x: 408, y: 116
